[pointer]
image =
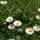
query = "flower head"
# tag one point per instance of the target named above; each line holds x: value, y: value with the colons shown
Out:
x: 29, y: 31
x: 38, y: 16
x: 3, y: 2
x: 39, y: 9
x: 17, y: 23
x: 9, y: 19
x: 11, y: 26
x: 36, y: 28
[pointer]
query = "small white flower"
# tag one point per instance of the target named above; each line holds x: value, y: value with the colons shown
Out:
x: 39, y: 9
x: 29, y: 31
x: 9, y: 19
x: 37, y: 16
x: 3, y: 2
x: 19, y: 30
x: 17, y: 23
x: 36, y: 28
x: 10, y: 39
x: 11, y: 26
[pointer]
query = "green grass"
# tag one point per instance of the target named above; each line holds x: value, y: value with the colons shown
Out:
x: 21, y: 10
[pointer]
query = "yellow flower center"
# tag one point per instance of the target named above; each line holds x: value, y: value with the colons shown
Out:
x: 9, y: 18
x: 17, y: 23
x: 30, y: 30
x: 36, y: 27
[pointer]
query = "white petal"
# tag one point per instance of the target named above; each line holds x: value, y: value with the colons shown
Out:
x: 39, y: 9
x: 38, y: 16
x: 3, y: 2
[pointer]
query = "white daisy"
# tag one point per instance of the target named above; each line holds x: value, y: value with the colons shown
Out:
x: 11, y: 26
x: 36, y: 28
x: 3, y: 2
x: 17, y: 23
x: 39, y: 9
x: 37, y: 16
x: 9, y: 19
x: 29, y: 31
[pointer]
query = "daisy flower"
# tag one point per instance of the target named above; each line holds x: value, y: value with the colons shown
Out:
x: 29, y: 31
x: 3, y: 2
x: 11, y: 26
x: 36, y: 28
x: 38, y: 16
x: 17, y: 23
x: 39, y: 9
x: 9, y: 19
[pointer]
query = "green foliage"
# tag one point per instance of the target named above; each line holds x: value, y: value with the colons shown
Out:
x: 22, y: 10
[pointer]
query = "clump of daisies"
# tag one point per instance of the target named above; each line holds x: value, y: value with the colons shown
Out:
x: 3, y: 2
x: 12, y: 24
x: 30, y: 30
